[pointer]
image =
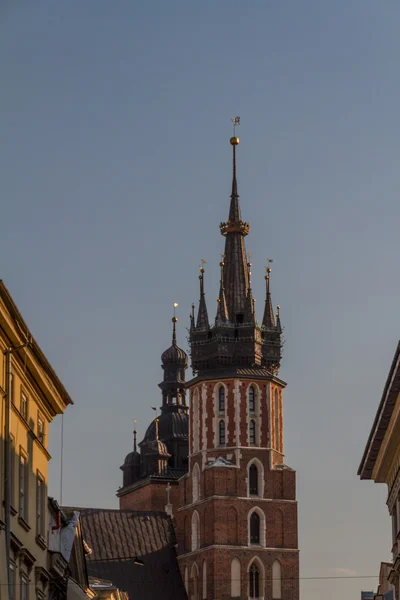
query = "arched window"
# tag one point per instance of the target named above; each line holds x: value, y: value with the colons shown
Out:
x: 204, y: 580
x: 194, y: 574
x: 253, y: 480
x: 196, y: 483
x: 252, y: 432
x: 254, y: 528
x: 276, y: 580
x: 195, y: 531
x: 186, y: 580
x: 222, y: 433
x: 252, y: 399
x: 277, y: 429
x: 196, y: 420
x: 221, y: 399
x: 254, y: 581
x: 235, y: 578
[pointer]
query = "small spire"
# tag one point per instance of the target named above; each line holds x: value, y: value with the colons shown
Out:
x: 234, y: 211
x: 174, y: 321
x: 134, y: 436
x: 249, y: 315
x: 156, y: 422
x: 268, y: 319
x: 278, y: 319
x: 192, y: 321
x: 202, y: 315
x: 222, y: 310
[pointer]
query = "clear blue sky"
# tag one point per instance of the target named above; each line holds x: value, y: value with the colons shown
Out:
x: 115, y: 171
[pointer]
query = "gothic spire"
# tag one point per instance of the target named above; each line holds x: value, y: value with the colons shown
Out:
x: 268, y: 319
x: 192, y: 320
x: 222, y: 311
x: 249, y: 313
x: 202, y: 315
x: 236, y: 279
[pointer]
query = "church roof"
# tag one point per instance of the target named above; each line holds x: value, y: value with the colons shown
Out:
x: 117, y: 537
x: 171, y: 425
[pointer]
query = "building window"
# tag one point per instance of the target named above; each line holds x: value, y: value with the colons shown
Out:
x: 12, y: 389
x: 277, y: 429
x: 12, y: 472
x: 195, y: 531
x: 221, y: 399
x: 222, y: 433
x: 39, y: 506
x: 276, y: 580
x: 24, y: 587
x: 235, y: 578
x: 252, y: 399
x: 254, y: 528
x: 252, y: 432
x: 195, y: 483
x: 24, y: 406
x: 253, y: 480
x: 12, y: 576
x: 23, y: 486
x: 254, y: 582
x: 40, y: 430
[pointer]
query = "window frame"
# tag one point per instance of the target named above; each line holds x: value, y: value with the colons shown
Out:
x: 252, y: 432
x: 12, y: 567
x: 255, y: 521
x: 40, y: 505
x: 253, y: 468
x: 24, y: 581
x: 254, y: 582
x: 40, y: 433
x: 23, y: 486
x: 221, y: 433
x: 221, y: 399
x: 252, y: 400
x: 23, y: 406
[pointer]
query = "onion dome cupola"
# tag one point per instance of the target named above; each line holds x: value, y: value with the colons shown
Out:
x: 131, y: 466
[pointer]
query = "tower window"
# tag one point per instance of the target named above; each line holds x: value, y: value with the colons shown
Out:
x: 221, y: 399
x: 252, y: 432
x: 277, y: 428
x: 252, y: 400
x: 222, y: 433
x: 254, y: 582
x: 254, y: 529
x: 253, y: 480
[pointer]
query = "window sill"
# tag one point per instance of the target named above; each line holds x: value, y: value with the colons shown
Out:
x: 13, y: 511
x: 41, y: 542
x: 23, y: 524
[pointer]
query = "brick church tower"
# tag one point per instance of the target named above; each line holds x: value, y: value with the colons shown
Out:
x: 237, y: 521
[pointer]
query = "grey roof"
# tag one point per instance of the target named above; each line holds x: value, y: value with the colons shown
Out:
x: 382, y: 418
x: 242, y: 372
x: 116, y: 537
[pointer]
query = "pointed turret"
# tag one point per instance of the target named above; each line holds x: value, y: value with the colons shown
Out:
x: 192, y: 320
x: 249, y: 314
x: 236, y: 280
x: 202, y: 315
x: 268, y: 319
x: 278, y: 319
x: 222, y: 311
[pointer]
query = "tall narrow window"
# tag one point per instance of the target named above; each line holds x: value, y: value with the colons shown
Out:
x: 12, y: 575
x: 252, y: 400
x: 235, y: 578
x: 276, y: 580
x: 254, y: 528
x: 222, y: 433
x: 40, y: 430
x: 22, y: 486
x: 24, y: 587
x: 39, y: 506
x: 195, y: 483
x: 253, y: 480
x: 277, y: 428
x: 252, y: 432
x: 12, y: 389
x: 221, y: 399
x: 24, y: 406
x: 195, y: 531
x: 254, y: 582
x: 204, y: 580
x: 12, y: 473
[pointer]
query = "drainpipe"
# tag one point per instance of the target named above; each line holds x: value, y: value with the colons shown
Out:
x: 8, y: 353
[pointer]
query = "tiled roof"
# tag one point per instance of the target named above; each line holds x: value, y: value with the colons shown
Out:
x: 116, y: 537
x: 242, y: 372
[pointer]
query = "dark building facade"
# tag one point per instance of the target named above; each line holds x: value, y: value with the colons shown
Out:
x: 163, y: 456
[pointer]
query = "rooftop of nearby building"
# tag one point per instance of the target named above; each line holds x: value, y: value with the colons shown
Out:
x: 118, y: 538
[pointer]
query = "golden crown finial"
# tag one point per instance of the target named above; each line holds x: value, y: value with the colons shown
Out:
x: 234, y: 141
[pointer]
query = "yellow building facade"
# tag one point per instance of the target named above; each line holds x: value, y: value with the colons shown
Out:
x: 381, y: 460
x: 31, y: 396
